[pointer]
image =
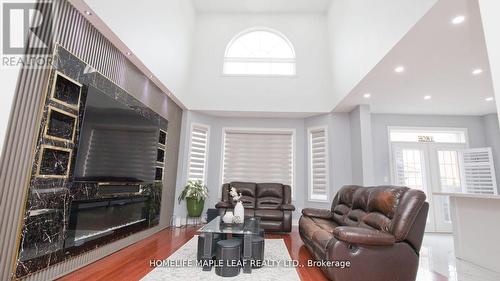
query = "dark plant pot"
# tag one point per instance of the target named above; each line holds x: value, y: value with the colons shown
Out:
x: 194, y: 207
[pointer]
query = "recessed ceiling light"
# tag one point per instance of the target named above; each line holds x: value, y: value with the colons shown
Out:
x: 399, y: 69
x: 477, y: 71
x: 458, y: 19
x: 129, y: 53
x: 88, y: 13
x: 427, y: 97
x: 367, y: 95
x: 489, y: 99
x: 151, y: 76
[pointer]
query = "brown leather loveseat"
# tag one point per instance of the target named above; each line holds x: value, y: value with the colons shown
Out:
x: 269, y: 201
x: 378, y: 230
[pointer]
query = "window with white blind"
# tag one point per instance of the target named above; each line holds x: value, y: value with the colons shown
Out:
x: 258, y: 156
x: 318, y: 163
x: 479, y: 171
x: 198, y: 152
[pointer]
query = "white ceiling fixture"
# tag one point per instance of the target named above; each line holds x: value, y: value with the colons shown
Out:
x: 399, y: 69
x: 88, y: 13
x: 488, y: 99
x: 427, y: 97
x: 367, y: 95
x: 129, y: 53
x: 441, y: 64
x: 477, y: 71
x: 458, y: 19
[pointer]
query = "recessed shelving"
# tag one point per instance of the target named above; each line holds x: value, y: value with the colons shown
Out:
x: 54, y: 162
x: 66, y: 91
x: 61, y: 125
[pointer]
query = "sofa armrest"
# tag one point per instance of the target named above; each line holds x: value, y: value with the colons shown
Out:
x: 287, y: 207
x: 317, y: 213
x: 222, y: 204
x: 363, y: 236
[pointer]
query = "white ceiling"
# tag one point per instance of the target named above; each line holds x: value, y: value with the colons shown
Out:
x: 439, y: 58
x: 261, y: 6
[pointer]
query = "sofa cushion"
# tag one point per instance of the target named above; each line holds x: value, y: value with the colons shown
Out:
x: 247, y: 190
x: 320, y: 241
x: 325, y: 224
x: 269, y: 196
x: 270, y: 215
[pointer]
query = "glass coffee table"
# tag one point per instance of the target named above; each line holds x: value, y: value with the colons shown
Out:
x: 249, y: 229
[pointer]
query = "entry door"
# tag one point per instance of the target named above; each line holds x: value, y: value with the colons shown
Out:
x: 411, y: 169
x: 445, y: 177
x: 431, y: 168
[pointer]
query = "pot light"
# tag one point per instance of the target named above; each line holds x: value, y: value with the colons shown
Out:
x: 128, y: 53
x: 151, y: 76
x: 427, y: 97
x: 88, y: 13
x: 488, y: 99
x: 367, y: 95
x: 399, y: 69
x: 477, y: 71
x: 458, y: 19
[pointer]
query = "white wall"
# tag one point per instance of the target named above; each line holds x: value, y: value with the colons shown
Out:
x: 339, y: 153
x: 361, y: 146
x: 158, y: 32
x: 490, y: 15
x: 492, y: 139
x: 362, y: 32
x: 380, y: 122
x: 309, y: 91
x: 213, y: 178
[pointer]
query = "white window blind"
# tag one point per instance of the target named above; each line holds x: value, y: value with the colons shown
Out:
x: 198, y: 152
x: 479, y: 171
x: 258, y: 156
x: 318, y: 164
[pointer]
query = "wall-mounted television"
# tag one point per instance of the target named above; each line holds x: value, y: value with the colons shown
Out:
x: 116, y: 143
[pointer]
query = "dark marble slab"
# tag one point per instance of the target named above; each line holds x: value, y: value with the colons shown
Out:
x: 47, y: 217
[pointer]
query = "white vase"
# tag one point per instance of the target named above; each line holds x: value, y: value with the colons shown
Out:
x: 228, y: 217
x: 239, y: 213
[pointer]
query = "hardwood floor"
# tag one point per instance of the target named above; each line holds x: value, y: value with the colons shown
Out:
x: 132, y: 263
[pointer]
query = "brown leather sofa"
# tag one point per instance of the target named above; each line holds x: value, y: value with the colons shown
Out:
x: 269, y: 201
x: 379, y: 230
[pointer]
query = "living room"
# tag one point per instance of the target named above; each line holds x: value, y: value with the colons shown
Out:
x: 232, y: 140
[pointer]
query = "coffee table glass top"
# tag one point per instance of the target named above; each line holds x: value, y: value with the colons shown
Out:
x: 250, y: 226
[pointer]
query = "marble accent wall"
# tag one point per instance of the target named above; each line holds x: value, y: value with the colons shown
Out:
x: 51, y: 187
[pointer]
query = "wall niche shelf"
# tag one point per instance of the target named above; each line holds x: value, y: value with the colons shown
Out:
x: 66, y: 91
x: 53, y: 162
x: 160, y: 156
x: 159, y: 174
x: 162, y: 139
x: 61, y: 125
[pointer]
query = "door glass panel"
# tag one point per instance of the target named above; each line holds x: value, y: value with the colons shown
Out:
x: 413, y: 172
x: 449, y: 171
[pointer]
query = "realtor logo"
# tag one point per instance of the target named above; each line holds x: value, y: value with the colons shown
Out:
x: 27, y: 34
x: 27, y: 28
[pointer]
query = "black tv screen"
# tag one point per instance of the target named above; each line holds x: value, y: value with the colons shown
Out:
x: 116, y: 144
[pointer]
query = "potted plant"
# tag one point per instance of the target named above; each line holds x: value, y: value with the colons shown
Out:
x: 195, y: 193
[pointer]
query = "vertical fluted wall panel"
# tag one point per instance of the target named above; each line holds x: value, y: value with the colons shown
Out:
x: 73, y: 32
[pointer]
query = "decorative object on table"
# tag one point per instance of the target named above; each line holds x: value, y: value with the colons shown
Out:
x: 212, y: 213
x: 195, y: 193
x: 239, y: 210
x: 268, y: 201
x: 228, y: 217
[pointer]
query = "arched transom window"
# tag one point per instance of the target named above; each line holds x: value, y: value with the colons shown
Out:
x: 259, y: 52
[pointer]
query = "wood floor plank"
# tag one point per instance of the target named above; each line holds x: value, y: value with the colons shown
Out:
x: 132, y: 262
